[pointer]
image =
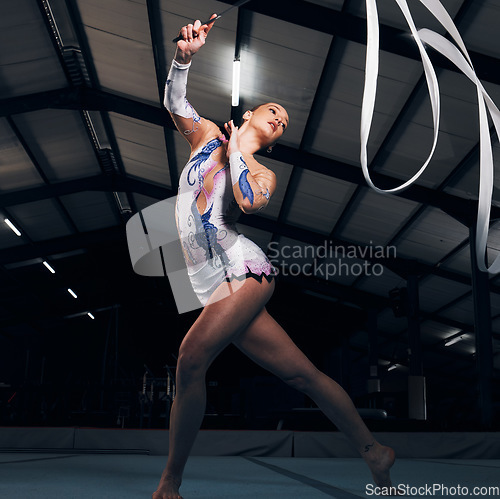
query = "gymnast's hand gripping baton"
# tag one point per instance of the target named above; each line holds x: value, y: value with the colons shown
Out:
x: 234, y: 6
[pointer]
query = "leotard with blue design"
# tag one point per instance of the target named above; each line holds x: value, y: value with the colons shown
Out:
x: 213, y: 248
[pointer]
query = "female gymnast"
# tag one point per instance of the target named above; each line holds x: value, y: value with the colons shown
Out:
x: 232, y: 276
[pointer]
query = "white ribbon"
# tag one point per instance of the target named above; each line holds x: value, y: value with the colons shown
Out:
x: 463, y: 62
x: 371, y: 74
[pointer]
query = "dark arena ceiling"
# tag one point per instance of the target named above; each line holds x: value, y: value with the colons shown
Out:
x: 86, y: 143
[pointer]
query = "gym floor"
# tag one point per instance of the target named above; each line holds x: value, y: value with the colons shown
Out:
x: 73, y: 475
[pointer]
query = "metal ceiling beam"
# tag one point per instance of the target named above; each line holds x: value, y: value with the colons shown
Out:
x: 156, y: 31
x: 91, y: 99
x: 61, y: 98
x: 353, y: 28
x: 101, y: 183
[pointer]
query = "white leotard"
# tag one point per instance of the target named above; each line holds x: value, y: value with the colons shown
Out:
x: 213, y: 248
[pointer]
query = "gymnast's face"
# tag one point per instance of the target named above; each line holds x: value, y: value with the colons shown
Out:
x: 271, y: 119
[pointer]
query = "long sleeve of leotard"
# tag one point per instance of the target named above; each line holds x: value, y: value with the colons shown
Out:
x: 175, y: 91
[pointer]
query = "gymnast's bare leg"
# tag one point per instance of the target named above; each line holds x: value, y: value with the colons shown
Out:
x: 217, y: 326
x: 265, y: 342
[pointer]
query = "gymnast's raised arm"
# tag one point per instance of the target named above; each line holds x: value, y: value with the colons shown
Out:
x: 193, y: 127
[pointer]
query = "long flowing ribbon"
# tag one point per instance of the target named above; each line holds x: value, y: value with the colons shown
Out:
x: 371, y: 75
x: 462, y: 61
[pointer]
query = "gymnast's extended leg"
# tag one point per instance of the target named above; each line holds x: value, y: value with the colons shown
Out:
x: 216, y: 327
x: 265, y: 342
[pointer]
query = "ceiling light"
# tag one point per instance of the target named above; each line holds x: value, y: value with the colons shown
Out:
x: 236, y: 84
x: 12, y: 226
x: 90, y: 315
x: 49, y: 267
x: 454, y: 340
x: 72, y: 293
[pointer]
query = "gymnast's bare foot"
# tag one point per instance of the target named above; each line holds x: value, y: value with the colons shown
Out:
x: 380, y: 460
x: 168, y: 489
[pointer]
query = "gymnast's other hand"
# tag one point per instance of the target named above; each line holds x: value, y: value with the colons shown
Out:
x: 193, y: 38
x: 234, y: 138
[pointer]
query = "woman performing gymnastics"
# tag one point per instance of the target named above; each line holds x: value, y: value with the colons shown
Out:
x: 221, y: 178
